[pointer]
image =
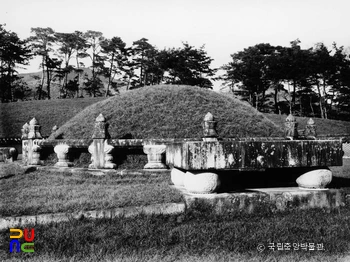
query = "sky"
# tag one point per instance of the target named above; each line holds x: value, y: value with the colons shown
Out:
x: 223, y: 26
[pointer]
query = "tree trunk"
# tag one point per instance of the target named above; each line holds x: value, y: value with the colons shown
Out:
x: 48, y: 79
x: 311, y: 107
x: 276, y: 100
x: 42, y: 79
x: 320, y: 99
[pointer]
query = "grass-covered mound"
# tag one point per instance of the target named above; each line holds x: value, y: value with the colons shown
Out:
x: 324, y: 127
x: 48, y: 112
x: 168, y: 111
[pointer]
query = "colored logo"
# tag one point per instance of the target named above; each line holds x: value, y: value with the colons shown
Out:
x: 16, y: 234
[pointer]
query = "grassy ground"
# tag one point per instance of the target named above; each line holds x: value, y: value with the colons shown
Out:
x: 45, y: 191
x: 194, y: 236
x: 48, y: 112
x: 31, y: 193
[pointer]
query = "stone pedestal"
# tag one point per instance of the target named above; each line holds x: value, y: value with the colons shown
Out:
x: 154, y: 156
x: 200, y: 182
x: 62, y: 155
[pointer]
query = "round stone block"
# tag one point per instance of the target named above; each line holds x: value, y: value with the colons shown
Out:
x: 177, y: 177
x: 316, y: 179
x: 201, y: 182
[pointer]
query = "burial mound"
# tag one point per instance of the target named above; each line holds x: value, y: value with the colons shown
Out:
x: 169, y: 111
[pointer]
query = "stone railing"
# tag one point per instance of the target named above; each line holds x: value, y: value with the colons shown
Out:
x: 101, y: 147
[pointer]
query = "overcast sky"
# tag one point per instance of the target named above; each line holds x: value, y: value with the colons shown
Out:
x: 223, y: 26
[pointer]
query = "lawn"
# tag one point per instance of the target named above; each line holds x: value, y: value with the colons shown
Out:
x: 31, y: 193
x: 194, y: 236
x: 197, y: 235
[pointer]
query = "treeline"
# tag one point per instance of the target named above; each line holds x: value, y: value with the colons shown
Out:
x: 306, y: 82
x: 64, y: 54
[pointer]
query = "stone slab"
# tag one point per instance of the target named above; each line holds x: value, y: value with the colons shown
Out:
x: 268, y: 200
x: 254, y: 155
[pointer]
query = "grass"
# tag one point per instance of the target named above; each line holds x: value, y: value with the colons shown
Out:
x: 52, y: 192
x: 48, y: 112
x: 168, y: 111
x: 191, y: 237
x: 326, y: 127
x: 45, y: 191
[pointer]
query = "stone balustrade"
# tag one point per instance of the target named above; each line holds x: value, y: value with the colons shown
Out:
x: 194, y: 161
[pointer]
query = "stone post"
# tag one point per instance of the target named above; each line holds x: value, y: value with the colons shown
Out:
x: 100, y: 150
x: 310, y: 129
x: 154, y: 156
x: 291, y: 127
x: 209, y: 128
x: 34, y: 137
x: 25, y: 131
x: 62, y: 154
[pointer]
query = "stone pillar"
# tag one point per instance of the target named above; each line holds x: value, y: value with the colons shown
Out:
x: 34, y: 137
x: 209, y: 128
x: 62, y: 154
x: 154, y: 156
x: 25, y: 131
x: 101, y: 152
x: 310, y: 129
x: 291, y: 127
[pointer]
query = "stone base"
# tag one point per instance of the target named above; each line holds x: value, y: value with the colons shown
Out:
x: 155, y: 166
x: 260, y: 200
x: 64, y: 164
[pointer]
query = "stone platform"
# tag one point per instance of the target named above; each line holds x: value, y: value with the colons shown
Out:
x: 262, y: 200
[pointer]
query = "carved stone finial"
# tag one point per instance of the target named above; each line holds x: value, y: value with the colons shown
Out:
x: 209, y: 127
x: 100, y: 128
x: 290, y: 118
x: 310, y: 129
x: 209, y: 117
x: 33, y: 122
x: 54, y: 128
x: 100, y: 118
x: 291, y: 127
x: 25, y: 131
x: 34, y: 129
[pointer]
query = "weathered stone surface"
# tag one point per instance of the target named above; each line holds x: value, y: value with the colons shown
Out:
x: 154, y: 156
x: 62, y: 155
x: 209, y: 127
x: 310, y: 129
x: 8, y: 154
x: 291, y: 127
x: 34, y: 129
x: 316, y: 179
x: 260, y: 200
x: 177, y: 177
x: 101, y: 154
x: 254, y: 155
x: 100, y: 128
x: 201, y: 182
